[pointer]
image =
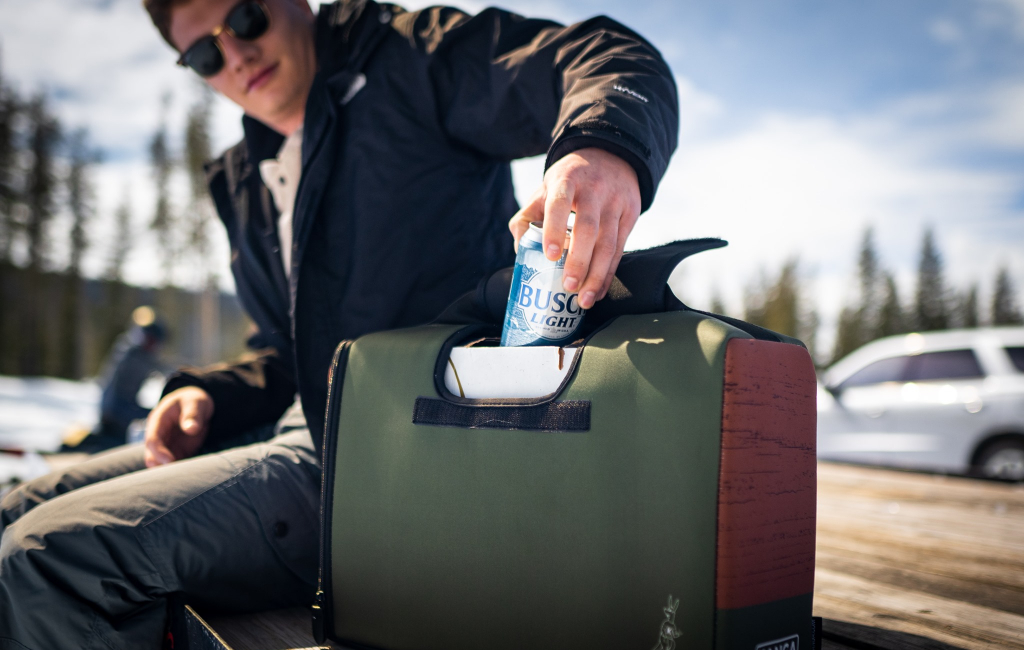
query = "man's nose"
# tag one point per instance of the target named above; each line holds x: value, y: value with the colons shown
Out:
x: 237, y: 52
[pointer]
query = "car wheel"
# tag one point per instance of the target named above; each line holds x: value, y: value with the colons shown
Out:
x: 1003, y: 460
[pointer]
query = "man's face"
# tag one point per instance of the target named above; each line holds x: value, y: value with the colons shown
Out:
x: 268, y: 77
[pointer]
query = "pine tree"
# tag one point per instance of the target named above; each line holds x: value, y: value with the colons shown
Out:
x: 81, y: 197
x: 965, y: 308
x: 41, y: 184
x: 849, y: 333
x: 122, y: 242
x: 717, y: 304
x: 40, y: 201
x: 867, y: 268
x: 860, y: 322
x: 1005, y: 310
x: 197, y: 150
x: 163, y: 215
x: 891, y: 319
x: 930, y: 305
x: 9, y: 112
x: 779, y: 305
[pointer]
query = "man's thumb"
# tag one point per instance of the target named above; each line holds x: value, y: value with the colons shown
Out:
x: 192, y: 420
x: 532, y: 211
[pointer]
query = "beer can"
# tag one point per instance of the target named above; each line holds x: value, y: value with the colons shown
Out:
x: 540, y: 311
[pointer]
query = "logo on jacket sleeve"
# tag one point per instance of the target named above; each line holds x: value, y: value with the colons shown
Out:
x: 788, y: 643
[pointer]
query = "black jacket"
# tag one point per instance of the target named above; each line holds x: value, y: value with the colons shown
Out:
x: 406, y: 189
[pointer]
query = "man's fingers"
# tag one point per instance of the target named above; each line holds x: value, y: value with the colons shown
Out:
x: 557, y: 206
x: 585, y: 231
x: 602, y: 258
x: 158, y: 424
x: 626, y: 223
x: 158, y: 454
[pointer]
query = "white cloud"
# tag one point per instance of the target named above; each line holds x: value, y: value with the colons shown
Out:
x: 1014, y: 9
x: 105, y: 66
x: 1005, y: 125
x: 945, y: 31
x: 809, y: 186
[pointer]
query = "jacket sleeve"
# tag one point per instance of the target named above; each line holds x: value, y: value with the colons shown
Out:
x: 512, y: 87
x: 253, y: 391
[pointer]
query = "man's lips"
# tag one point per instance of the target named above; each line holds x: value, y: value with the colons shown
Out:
x: 260, y: 78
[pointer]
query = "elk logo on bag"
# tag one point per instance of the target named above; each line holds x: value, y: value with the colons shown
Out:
x: 669, y: 631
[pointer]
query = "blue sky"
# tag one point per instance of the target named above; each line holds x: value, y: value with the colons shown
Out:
x: 802, y: 123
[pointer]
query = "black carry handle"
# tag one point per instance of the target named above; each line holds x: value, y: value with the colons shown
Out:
x: 640, y: 286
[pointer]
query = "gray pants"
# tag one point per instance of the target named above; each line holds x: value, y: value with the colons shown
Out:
x: 89, y: 556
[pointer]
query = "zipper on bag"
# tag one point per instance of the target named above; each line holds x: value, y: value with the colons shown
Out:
x: 321, y: 608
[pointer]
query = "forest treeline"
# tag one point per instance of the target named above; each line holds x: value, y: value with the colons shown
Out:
x: 781, y: 302
x: 53, y: 320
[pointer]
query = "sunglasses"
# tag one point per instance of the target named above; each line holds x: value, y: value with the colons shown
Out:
x: 247, y: 21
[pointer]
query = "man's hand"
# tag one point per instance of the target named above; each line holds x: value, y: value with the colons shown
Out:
x: 603, y: 191
x: 177, y: 427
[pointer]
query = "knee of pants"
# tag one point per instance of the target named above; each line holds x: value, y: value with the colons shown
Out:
x: 13, y: 505
x: 16, y: 542
x: 66, y: 546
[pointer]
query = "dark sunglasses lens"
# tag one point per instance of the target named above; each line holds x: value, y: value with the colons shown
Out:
x: 205, y: 57
x: 247, y: 21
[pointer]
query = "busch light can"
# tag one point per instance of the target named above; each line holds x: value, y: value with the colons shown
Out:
x: 540, y: 311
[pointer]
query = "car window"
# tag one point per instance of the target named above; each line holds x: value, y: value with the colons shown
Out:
x: 891, y: 369
x: 1017, y: 357
x: 948, y: 364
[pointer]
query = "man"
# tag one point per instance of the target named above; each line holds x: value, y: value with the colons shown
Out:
x: 372, y: 188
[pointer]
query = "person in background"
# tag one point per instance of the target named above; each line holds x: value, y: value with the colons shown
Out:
x: 134, y: 357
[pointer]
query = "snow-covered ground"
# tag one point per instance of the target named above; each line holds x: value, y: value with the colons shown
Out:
x: 36, y: 414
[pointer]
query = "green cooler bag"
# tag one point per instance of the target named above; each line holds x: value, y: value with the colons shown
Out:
x: 663, y: 497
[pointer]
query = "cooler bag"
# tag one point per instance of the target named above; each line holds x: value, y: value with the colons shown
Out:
x: 662, y: 497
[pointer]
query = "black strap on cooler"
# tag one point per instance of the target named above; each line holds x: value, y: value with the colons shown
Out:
x: 640, y: 287
x: 571, y: 415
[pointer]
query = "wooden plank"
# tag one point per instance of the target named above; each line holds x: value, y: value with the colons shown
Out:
x: 963, y: 625
x: 926, y: 555
x: 912, y: 577
x: 904, y: 562
x: 199, y: 634
x: 838, y: 635
x: 284, y: 629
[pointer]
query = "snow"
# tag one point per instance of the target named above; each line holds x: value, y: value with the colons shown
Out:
x: 36, y: 413
x: 34, y: 416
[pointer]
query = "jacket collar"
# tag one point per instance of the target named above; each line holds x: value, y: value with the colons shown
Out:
x: 343, y: 35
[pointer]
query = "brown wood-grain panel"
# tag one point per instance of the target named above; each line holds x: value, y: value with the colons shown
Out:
x: 766, y: 497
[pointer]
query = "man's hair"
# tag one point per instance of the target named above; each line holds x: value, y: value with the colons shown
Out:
x: 160, y: 14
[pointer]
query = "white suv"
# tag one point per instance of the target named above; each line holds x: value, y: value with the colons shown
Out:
x: 950, y: 401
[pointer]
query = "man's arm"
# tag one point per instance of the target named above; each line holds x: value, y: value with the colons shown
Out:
x: 217, y: 403
x: 511, y: 87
